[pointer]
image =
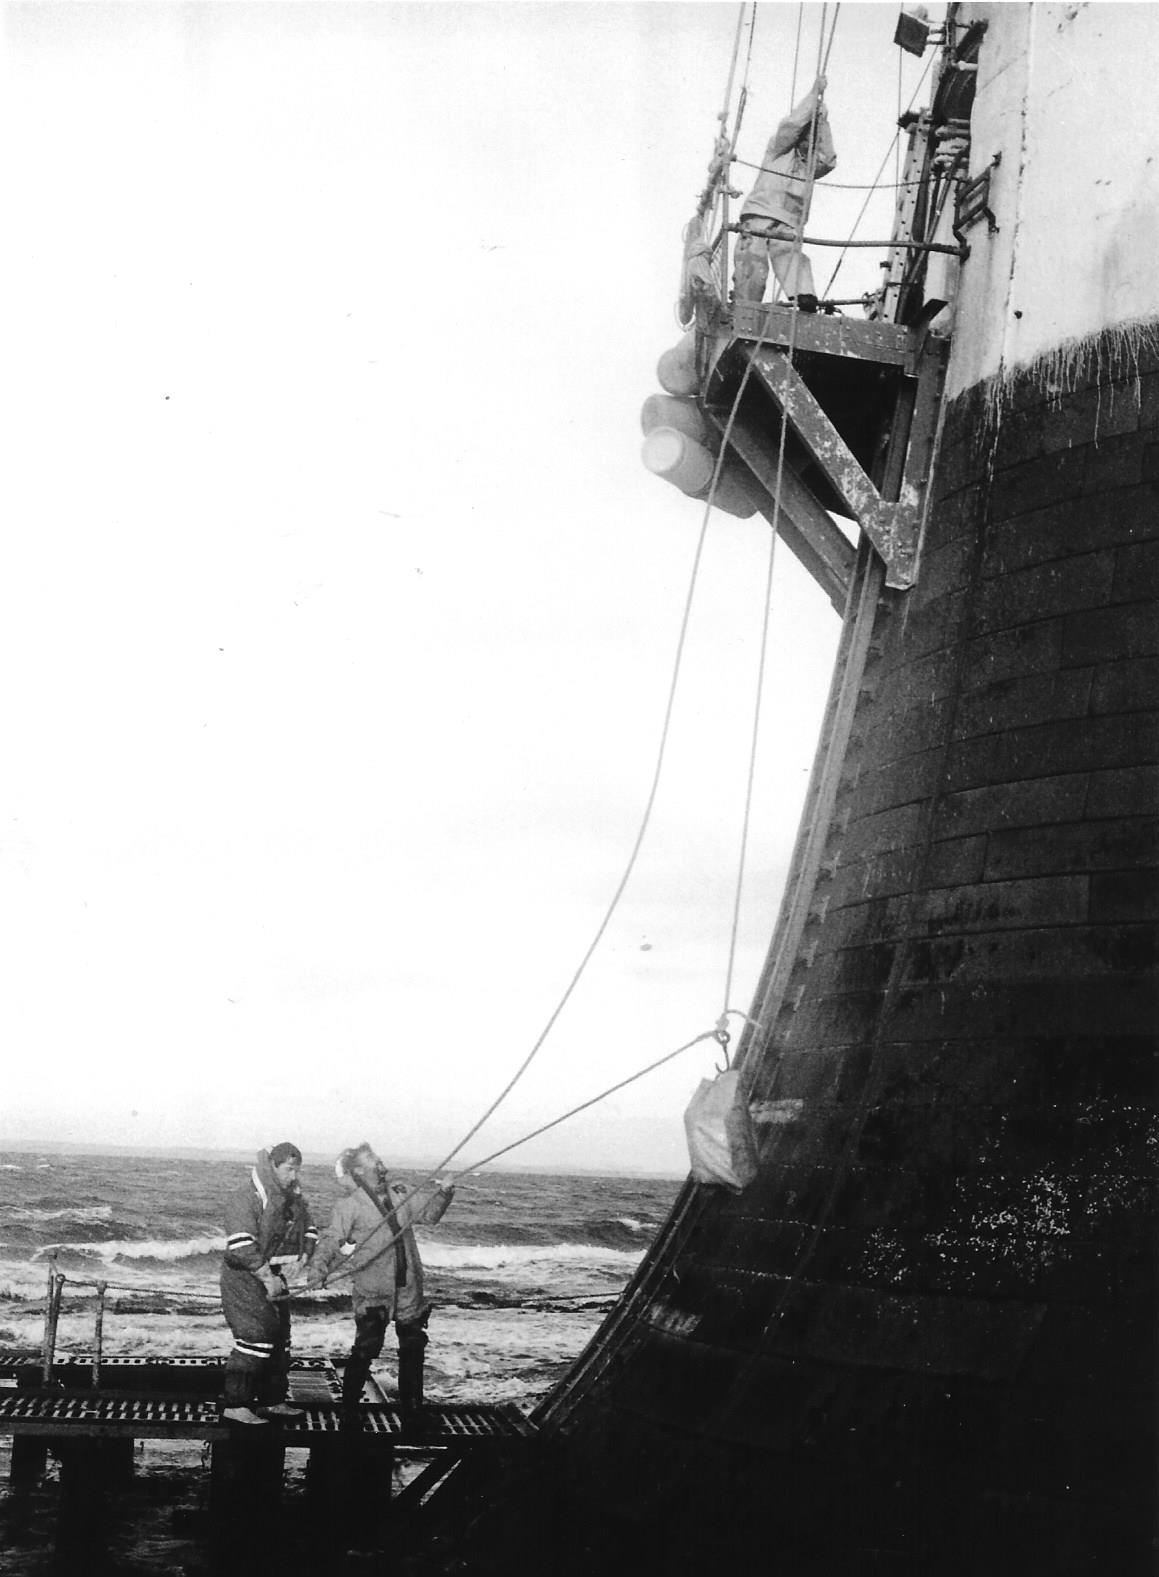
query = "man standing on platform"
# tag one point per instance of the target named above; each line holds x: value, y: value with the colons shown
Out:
x: 774, y: 214
x: 371, y: 1232
x: 268, y: 1228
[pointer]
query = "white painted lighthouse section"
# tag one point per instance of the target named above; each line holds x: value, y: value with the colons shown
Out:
x: 1066, y: 95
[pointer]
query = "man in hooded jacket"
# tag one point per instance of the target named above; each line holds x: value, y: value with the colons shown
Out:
x: 774, y: 213
x: 268, y: 1228
x: 371, y: 1232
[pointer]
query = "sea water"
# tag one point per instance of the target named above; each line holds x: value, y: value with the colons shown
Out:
x: 521, y: 1269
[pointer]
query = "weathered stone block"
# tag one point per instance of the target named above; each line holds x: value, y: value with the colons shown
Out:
x: 1130, y: 685
x: 934, y: 625
x: 1004, y: 654
x: 1021, y: 702
x: 1117, y: 463
x: 1075, y: 525
x: 1039, y: 482
x: 1100, y: 635
x: 1124, y: 895
x: 1136, y: 571
x: 952, y: 861
x: 1029, y: 802
x: 900, y: 782
x: 1126, y: 791
x: 956, y: 516
x: 1095, y: 415
x: 1053, y: 748
x: 1075, y: 847
x: 1001, y: 906
x: 1052, y: 589
x: 943, y: 569
x: 897, y: 828
x: 1021, y: 437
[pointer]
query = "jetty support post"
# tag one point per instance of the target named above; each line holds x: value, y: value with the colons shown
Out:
x: 29, y: 1459
x: 51, y: 1318
x: 349, y: 1479
x: 89, y: 1470
x: 98, y: 1333
x: 245, y: 1495
x: 29, y: 1451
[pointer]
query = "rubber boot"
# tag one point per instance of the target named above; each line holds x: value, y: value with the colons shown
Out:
x: 354, y: 1377
x: 412, y: 1341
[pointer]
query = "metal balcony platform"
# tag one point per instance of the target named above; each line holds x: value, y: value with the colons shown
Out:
x: 828, y: 416
x: 862, y: 339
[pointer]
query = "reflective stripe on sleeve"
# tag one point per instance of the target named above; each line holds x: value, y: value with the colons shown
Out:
x: 254, y: 1349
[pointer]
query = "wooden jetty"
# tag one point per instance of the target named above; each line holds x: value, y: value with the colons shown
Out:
x: 89, y: 1412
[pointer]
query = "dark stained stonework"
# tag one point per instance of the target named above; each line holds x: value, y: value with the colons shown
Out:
x: 924, y: 1339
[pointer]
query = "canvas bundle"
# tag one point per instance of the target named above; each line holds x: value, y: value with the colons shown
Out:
x: 721, y: 1145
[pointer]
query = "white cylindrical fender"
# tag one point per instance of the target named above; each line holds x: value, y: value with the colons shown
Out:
x: 731, y: 494
x: 676, y: 369
x: 665, y: 410
x: 678, y: 459
x: 689, y: 466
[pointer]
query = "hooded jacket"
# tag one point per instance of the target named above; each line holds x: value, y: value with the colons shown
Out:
x: 780, y: 189
x: 265, y: 1221
x: 375, y: 1280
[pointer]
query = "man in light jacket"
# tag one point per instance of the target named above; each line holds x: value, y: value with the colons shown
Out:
x: 371, y: 1233
x: 775, y: 211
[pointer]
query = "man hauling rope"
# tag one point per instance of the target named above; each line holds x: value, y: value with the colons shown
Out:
x: 775, y: 212
x: 371, y: 1231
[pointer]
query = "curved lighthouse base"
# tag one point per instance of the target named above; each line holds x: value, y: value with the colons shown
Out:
x: 924, y: 1340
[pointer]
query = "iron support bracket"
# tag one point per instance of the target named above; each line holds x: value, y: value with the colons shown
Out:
x: 891, y: 526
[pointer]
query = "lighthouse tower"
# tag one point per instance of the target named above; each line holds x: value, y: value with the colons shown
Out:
x: 922, y: 1342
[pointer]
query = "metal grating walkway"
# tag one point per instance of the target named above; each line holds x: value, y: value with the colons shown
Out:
x: 98, y: 1414
x: 15, y: 1363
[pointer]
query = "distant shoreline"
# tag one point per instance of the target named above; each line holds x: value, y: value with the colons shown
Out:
x: 314, y: 1157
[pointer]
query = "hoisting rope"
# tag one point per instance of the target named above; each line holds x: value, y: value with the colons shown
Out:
x: 723, y: 116
x: 822, y: 62
x: 797, y: 53
x: 877, y: 179
x: 842, y: 186
x: 723, y: 158
x: 660, y: 753
x: 720, y: 1032
x: 696, y: 266
x: 171, y: 1292
x: 349, y: 1270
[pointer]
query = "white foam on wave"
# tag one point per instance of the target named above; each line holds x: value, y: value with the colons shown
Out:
x: 145, y: 1248
x: 505, y: 1256
x: 78, y: 1213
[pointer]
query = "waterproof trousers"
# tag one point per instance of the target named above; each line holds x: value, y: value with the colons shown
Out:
x: 765, y: 241
x: 369, y: 1334
x: 257, y: 1371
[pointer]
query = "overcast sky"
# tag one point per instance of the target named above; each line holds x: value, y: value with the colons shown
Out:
x: 337, y: 612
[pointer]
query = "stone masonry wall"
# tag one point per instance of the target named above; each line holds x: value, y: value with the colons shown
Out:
x: 923, y: 1339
